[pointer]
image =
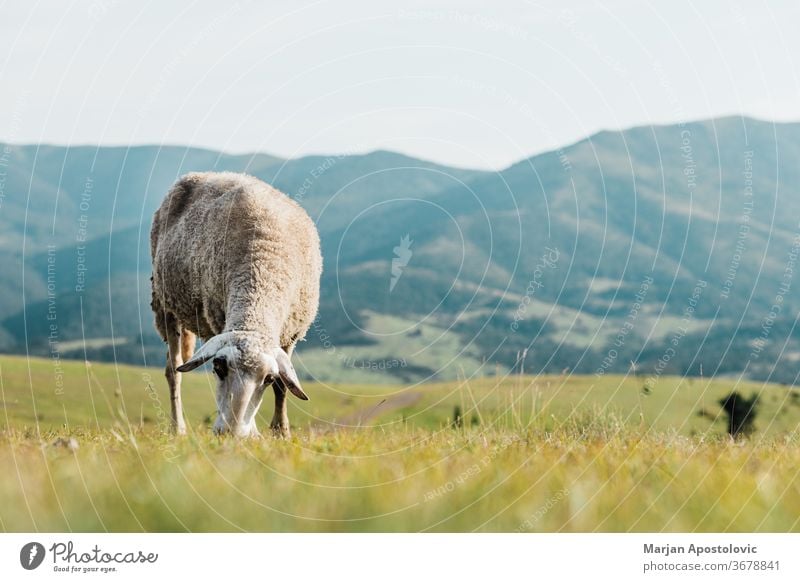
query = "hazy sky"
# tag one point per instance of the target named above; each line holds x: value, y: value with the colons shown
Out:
x: 458, y: 82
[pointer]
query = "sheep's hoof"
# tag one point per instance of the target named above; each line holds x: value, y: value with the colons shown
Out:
x: 281, y: 431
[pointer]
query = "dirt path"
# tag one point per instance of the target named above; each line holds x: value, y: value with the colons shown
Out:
x: 364, y: 415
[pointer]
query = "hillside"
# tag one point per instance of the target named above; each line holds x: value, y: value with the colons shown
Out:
x: 665, y: 246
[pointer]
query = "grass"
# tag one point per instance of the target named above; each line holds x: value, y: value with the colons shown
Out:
x: 427, y: 348
x: 543, y: 454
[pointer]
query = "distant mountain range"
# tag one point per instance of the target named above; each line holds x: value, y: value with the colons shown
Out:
x: 664, y: 249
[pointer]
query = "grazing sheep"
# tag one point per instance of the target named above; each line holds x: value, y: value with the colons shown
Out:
x: 237, y: 263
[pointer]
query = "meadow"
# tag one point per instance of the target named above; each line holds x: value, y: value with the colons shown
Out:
x: 86, y: 447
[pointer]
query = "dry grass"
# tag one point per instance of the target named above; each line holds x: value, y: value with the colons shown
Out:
x: 573, y: 479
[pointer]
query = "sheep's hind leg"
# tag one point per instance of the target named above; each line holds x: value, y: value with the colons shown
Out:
x: 174, y: 359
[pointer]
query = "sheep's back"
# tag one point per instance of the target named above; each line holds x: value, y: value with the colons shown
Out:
x: 217, y: 230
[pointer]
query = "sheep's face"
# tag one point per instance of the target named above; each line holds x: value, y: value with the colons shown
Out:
x: 244, y: 368
x: 241, y: 380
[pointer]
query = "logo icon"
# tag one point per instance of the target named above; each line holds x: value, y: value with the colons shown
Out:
x: 402, y: 253
x: 31, y: 555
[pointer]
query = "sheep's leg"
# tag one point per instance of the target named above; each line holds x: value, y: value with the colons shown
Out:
x: 174, y: 359
x: 188, y: 341
x: 280, y: 420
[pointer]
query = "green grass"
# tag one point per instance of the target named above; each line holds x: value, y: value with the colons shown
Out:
x: 427, y: 348
x: 543, y: 454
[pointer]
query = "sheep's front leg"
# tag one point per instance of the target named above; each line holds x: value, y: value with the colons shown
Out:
x: 280, y: 420
x: 174, y: 359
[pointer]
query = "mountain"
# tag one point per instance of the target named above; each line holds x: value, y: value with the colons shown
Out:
x: 669, y: 248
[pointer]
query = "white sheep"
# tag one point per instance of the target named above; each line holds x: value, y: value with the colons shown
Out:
x: 237, y: 263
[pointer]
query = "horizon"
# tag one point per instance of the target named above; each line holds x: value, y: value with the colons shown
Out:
x: 402, y: 153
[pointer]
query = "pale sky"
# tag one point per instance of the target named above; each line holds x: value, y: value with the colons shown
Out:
x: 463, y: 83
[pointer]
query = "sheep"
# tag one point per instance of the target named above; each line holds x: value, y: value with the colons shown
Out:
x: 238, y: 264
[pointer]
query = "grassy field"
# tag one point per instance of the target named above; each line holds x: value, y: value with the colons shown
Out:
x: 526, y: 454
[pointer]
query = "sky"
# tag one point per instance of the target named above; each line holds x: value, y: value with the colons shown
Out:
x: 461, y: 83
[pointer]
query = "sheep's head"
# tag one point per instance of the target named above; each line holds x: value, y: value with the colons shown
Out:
x: 244, y: 366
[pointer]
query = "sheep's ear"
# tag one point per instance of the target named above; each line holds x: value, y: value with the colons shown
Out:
x: 207, y: 351
x: 287, y: 375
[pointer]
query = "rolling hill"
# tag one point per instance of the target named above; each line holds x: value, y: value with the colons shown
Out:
x: 667, y: 248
